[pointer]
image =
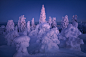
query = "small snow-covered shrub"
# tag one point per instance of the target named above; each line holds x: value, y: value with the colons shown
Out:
x: 65, y: 22
x: 22, y: 42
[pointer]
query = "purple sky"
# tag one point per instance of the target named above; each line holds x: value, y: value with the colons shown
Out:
x: 12, y: 9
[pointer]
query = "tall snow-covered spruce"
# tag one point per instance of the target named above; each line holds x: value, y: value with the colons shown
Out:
x: 21, y: 23
x: 42, y: 15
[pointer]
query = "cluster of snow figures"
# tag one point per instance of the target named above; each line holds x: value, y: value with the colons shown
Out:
x: 46, y: 34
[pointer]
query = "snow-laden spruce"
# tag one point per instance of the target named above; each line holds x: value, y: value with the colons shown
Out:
x: 65, y: 22
x: 71, y: 34
x: 21, y: 23
x: 21, y: 42
x: 42, y: 15
x: 10, y: 26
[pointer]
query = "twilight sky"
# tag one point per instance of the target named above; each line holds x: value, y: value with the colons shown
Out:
x: 12, y: 9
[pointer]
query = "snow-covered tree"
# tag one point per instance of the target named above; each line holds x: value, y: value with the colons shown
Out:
x: 22, y: 42
x: 21, y: 23
x: 28, y: 26
x: 65, y: 22
x: 32, y: 24
x: 49, y: 41
x: 42, y: 15
x: 50, y: 21
x: 54, y: 24
x: 43, y: 28
x: 47, y: 38
x: 75, y: 23
x: 71, y: 34
x: 10, y: 26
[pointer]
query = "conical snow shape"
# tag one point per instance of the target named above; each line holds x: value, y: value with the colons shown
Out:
x: 42, y: 15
